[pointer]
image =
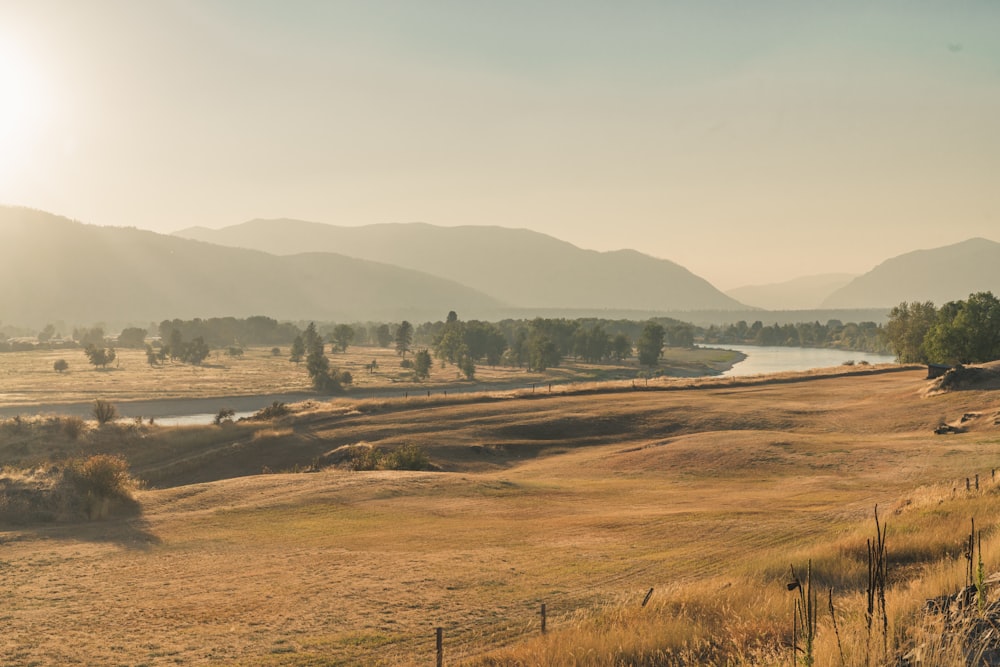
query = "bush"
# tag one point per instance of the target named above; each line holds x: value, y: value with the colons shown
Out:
x: 73, y: 427
x: 101, y: 482
x: 275, y: 351
x: 104, y: 412
x: 406, y: 363
x: 406, y: 457
x: 101, y: 475
x: 60, y: 365
x: 224, y: 416
x: 273, y: 411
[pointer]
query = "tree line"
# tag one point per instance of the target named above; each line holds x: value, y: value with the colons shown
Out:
x: 859, y: 337
x: 959, y: 332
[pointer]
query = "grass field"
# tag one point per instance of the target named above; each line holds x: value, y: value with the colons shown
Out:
x: 28, y: 378
x: 582, y: 502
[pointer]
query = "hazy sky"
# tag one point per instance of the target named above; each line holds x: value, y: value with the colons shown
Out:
x: 748, y: 141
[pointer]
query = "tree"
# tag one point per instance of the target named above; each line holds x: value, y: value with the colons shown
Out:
x: 298, y: 349
x: 133, y: 337
x: 85, y: 337
x: 467, y: 365
x: 966, y: 332
x: 195, y: 352
x: 542, y: 352
x: 404, y: 338
x: 100, y: 356
x: 621, y: 347
x: 422, y: 365
x: 46, y: 334
x: 152, y: 356
x: 342, y: 336
x: 650, y: 344
x: 907, y: 329
x: 383, y: 336
x: 60, y: 366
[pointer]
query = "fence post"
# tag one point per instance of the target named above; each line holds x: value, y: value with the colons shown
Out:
x: 977, y: 481
x: 968, y: 485
x: 543, y: 618
x: 648, y: 595
x: 440, y: 646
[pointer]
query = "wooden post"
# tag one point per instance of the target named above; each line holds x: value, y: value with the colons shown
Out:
x: 543, y: 618
x: 550, y: 387
x: 428, y: 393
x: 407, y: 395
x: 440, y: 647
x: 968, y: 486
x: 977, y: 481
x: 532, y: 387
x: 648, y: 595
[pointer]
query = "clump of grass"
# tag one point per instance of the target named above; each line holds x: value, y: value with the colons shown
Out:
x: 73, y: 427
x: 405, y: 457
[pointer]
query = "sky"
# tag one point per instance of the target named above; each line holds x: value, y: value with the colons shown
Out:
x: 751, y: 142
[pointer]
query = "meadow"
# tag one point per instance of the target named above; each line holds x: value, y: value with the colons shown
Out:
x: 28, y: 378
x: 251, y: 546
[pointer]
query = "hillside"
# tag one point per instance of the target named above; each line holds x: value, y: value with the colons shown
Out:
x: 803, y: 293
x: 939, y: 275
x: 78, y: 273
x: 520, y: 267
x: 584, y: 502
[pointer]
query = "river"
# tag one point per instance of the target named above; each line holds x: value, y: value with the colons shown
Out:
x: 763, y: 359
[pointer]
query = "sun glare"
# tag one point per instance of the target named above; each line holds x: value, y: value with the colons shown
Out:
x: 22, y: 106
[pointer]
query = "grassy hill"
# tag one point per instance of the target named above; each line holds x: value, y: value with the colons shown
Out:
x: 520, y: 267
x: 69, y: 271
x: 581, y: 501
x: 939, y: 275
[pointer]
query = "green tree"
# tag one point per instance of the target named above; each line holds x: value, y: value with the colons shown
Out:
x: 152, y: 357
x: 60, y: 366
x: 650, y: 344
x: 342, y: 336
x: 46, y: 334
x: 133, y: 337
x: 621, y: 347
x: 907, y: 330
x: 100, y: 356
x: 966, y: 332
x: 298, y: 349
x: 404, y: 338
x: 383, y: 336
x: 195, y: 352
x: 422, y: 365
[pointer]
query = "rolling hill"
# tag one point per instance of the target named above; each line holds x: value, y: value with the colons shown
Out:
x: 54, y: 268
x: 939, y: 275
x: 523, y: 268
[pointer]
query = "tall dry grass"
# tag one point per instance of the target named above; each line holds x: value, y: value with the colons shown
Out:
x: 748, y: 619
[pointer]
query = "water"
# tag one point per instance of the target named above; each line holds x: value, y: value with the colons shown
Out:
x: 764, y: 359
x: 195, y: 420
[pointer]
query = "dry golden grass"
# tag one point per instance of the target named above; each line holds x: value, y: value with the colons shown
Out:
x: 580, y: 501
x: 30, y: 381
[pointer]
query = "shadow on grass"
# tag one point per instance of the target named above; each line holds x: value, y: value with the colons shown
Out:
x: 35, y: 505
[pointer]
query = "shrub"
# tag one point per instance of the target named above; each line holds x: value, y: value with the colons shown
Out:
x: 406, y: 363
x: 60, y: 365
x: 101, y: 475
x: 73, y: 427
x: 275, y: 351
x: 104, y: 412
x: 101, y: 482
x: 273, y: 411
x: 224, y: 416
x: 406, y: 457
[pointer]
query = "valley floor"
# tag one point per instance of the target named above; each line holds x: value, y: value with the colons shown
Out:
x: 575, y: 501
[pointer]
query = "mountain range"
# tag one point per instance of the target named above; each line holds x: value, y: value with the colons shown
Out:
x: 522, y: 268
x: 56, y: 269
x: 941, y: 274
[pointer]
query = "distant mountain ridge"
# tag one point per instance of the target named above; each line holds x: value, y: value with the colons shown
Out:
x: 940, y: 275
x: 520, y: 267
x: 54, y: 268
x: 802, y: 293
